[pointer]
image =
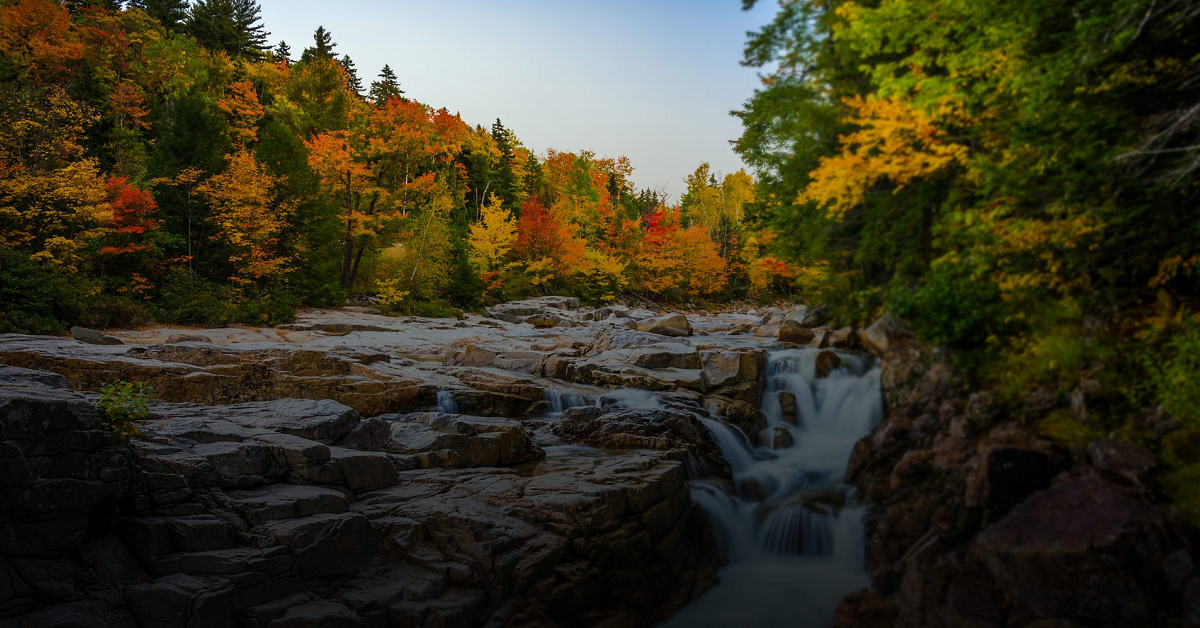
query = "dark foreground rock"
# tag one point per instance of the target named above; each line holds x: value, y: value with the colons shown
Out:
x: 978, y: 521
x: 304, y: 513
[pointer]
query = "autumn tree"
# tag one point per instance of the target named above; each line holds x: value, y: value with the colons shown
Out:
x: 249, y: 218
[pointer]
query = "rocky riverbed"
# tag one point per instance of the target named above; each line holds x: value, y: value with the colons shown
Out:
x: 353, y: 469
x: 551, y: 465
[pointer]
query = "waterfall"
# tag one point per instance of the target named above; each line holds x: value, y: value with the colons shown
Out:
x: 560, y: 399
x: 446, y: 403
x: 788, y: 529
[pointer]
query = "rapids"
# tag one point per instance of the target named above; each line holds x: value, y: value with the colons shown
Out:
x: 788, y: 529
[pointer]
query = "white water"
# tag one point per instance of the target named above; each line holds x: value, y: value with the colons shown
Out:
x: 789, y: 531
x: 446, y: 403
x: 560, y: 399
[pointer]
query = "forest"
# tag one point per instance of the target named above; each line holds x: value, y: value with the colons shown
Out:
x: 1017, y: 181
x: 164, y: 162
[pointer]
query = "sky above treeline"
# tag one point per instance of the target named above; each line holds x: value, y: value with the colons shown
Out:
x: 654, y: 80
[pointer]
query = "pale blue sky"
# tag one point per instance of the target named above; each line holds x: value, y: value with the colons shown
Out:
x: 651, y: 79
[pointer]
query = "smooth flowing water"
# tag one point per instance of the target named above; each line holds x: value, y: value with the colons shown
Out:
x: 446, y: 402
x: 788, y: 529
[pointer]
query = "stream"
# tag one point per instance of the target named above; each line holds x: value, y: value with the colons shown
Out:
x: 789, y: 531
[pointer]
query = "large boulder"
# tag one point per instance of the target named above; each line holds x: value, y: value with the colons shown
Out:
x: 1084, y: 549
x: 670, y: 325
x: 884, y: 334
x: 541, y: 311
x: 793, y: 332
x: 827, y: 362
x: 93, y: 337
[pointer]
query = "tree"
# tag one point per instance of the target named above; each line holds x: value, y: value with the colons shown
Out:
x: 250, y: 218
x: 353, y: 83
x: 172, y: 14
x: 133, y: 219
x: 493, y: 236
x: 323, y: 47
x: 283, y: 52
x: 387, y: 87
x: 231, y: 26
x: 52, y: 197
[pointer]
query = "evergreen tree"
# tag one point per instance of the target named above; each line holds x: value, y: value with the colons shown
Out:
x: 386, y: 87
x: 323, y: 46
x: 172, y: 14
x: 507, y: 186
x: 234, y: 26
x: 353, y: 83
x: 283, y: 52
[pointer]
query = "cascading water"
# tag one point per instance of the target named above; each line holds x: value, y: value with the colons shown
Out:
x: 789, y: 529
x: 446, y: 402
x: 560, y: 399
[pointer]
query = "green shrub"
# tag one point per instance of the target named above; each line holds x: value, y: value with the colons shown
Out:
x: 188, y: 298
x: 35, y: 298
x: 424, y: 309
x: 1177, y: 376
x: 123, y: 405
x: 953, y: 306
x: 106, y: 310
x: 269, y: 309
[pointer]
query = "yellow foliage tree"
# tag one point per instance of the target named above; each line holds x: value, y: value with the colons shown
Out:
x: 493, y: 236
x: 249, y: 219
x: 895, y: 141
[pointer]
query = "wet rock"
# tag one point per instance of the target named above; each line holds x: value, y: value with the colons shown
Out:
x: 781, y: 439
x: 725, y: 367
x: 743, y: 414
x: 670, y: 325
x: 827, y: 362
x: 93, y: 337
x: 768, y: 330
x: 1084, y: 549
x: 793, y: 332
x: 843, y: 338
x: 787, y: 405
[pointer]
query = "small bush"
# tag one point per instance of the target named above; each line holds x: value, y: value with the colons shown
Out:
x: 269, y: 309
x: 187, y: 298
x: 953, y: 306
x: 35, y: 298
x: 1178, y: 376
x: 106, y: 310
x: 424, y: 309
x: 123, y: 405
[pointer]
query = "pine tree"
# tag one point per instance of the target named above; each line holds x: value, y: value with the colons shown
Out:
x: 386, y: 87
x: 322, y: 48
x: 170, y: 13
x: 234, y: 26
x: 283, y: 52
x: 507, y: 185
x: 353, y: 83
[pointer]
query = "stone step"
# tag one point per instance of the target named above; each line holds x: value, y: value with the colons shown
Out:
x: 272, y: 562
x: 286, y: 501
